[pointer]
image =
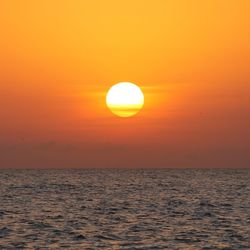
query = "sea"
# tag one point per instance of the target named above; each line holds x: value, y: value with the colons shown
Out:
x: 125, y: 209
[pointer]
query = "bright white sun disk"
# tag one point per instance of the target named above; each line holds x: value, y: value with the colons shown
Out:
x: 125, y: 99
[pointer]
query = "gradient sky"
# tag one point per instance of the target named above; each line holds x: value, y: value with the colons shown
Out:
x: 58, y: 59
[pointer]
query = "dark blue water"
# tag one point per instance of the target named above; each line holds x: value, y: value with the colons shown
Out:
x: 125, y: 209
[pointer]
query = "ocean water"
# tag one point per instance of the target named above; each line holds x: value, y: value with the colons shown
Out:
x: 125, y: 209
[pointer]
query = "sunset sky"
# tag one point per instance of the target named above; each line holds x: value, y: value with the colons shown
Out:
x: 58, y: 58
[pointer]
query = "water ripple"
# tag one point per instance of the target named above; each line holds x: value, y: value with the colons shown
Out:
x: 125, y: 209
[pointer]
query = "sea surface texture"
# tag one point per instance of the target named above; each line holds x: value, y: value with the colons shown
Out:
x: 125, y: 209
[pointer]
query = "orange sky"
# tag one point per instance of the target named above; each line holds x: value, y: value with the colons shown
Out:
x: 58, y: 59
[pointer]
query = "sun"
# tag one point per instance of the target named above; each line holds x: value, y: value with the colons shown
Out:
x: 125, y: 99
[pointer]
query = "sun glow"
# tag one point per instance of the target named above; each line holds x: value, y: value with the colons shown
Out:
x: 125, y: 99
